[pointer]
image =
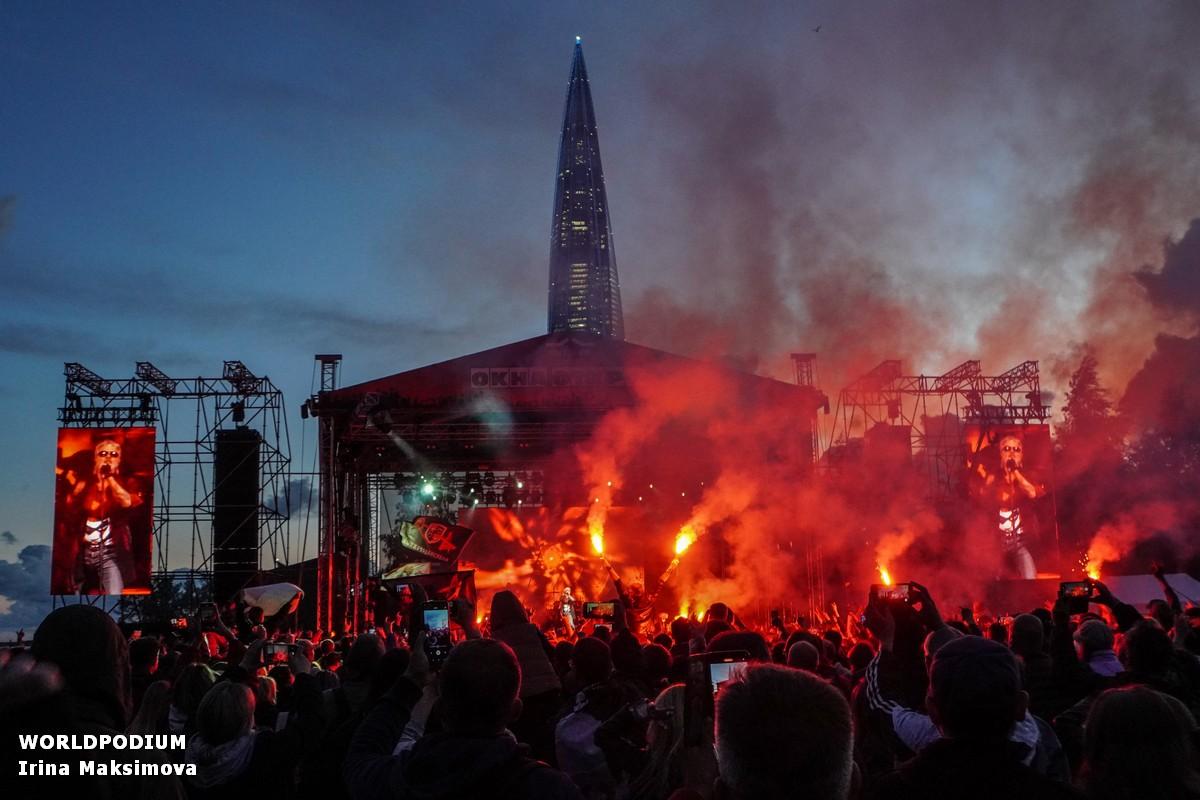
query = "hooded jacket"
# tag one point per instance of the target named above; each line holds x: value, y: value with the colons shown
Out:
x: 93, y: 658
x: 511, y: 626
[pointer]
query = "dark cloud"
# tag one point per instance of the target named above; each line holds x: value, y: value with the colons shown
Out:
x: 149, y: 300
x: 1176, y: 286
x: 299, y: 497
x: 58, y: 341
x: 7, y: 537
x: 1163, y: 395
x: 25, y: 584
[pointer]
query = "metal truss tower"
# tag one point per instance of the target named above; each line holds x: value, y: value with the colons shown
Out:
x: 929, y: 411
x: 187, y: 414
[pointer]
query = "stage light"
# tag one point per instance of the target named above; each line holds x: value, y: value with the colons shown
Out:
x: 520, y: 484
x: 304, y: 410
x: 239, y: 411
x: 510, y: 496
x: 490, y: 498
x: 427, y: 489
x: 489, y: 478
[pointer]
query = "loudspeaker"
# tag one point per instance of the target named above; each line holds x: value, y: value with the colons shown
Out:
x: 235, y: 510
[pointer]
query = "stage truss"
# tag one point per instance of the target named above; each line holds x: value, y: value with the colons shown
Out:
x: 932, y: 408
x: 187, y: 413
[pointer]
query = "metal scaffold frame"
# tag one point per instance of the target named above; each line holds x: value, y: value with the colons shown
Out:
x: 184, y: 453
x: 925, y: 403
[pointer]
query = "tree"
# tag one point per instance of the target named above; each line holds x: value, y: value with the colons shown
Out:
x: 1088, y: 409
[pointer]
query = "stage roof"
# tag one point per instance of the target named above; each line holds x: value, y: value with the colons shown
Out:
x: 552, y: 388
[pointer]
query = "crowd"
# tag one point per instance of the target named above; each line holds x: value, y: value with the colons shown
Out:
x: 902, y: 704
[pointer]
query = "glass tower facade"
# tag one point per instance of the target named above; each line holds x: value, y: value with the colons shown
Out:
x: 585, y: 293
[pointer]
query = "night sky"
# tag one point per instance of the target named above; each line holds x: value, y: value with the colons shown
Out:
x: 189, y: 183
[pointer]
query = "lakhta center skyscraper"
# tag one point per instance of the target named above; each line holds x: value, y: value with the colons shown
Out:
x: 585, y: 293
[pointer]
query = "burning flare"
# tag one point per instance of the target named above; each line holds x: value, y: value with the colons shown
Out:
x: 884, y: 575
x: 685, y: 539
x: 596, y: 531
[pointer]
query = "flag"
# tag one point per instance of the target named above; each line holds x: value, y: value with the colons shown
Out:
x: 432, y: 539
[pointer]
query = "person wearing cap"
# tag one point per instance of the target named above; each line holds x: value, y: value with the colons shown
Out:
x: 1094, y: 646
x: 975, y: 699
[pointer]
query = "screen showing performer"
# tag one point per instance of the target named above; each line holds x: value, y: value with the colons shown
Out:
x: 1008, y: 479
x: 103, y: 511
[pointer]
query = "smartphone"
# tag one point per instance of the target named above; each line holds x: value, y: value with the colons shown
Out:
x: 276, y: 652
x: 1077, y: 594
x: 900, y: 592
x: 703, y: 678
x: 179, y: 623
x: 605, y: 610
x: 435, y: 617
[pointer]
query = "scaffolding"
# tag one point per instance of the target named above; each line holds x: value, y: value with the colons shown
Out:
x: 932, y: 410
x: 187, y: 413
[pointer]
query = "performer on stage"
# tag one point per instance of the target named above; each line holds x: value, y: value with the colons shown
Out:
x: 101, y: 504
x: 1009, y: 489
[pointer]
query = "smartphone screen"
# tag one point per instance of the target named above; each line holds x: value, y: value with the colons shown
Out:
x: 436, y: 616
x: 1076, y: 594
x: 705, y: 674
x: 599, y: 610
x: 899, y: 592
x: 275, y: 651
x: 721, y: 671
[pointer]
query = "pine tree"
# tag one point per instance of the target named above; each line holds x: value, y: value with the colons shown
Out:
x: 1088, y: 410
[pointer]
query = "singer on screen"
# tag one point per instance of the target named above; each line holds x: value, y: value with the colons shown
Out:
x: 1010, y: 489
x: 99, y: 505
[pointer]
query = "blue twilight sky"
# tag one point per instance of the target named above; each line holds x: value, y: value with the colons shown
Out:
x: 190, y: 182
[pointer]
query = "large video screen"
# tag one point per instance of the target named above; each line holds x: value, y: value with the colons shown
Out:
x: 103, y: 511
x: 1009, y: 480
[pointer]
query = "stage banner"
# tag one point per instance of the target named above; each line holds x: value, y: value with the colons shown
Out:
x: 103, y: 511
x: 1009, y: 481
x: 432, y: 539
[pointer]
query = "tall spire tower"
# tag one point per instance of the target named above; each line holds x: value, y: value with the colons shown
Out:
x: 585, y: 293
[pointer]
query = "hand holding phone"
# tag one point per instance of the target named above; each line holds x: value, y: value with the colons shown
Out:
x: 1075, y: 595
x: 436, y: 623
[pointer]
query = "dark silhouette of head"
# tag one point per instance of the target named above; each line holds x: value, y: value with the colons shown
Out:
x: 592, y: 661
x: 226, y: 713
x: 1028, y: 635
x: 91, y: 654
x: 480, y: 683
x: 802, y: 655
x: 681, y: 630
x: 750, y: 641
x: 1139, y: 743
x: 783, y: 733
x: 975, y: 690
x: 1148, y: 649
